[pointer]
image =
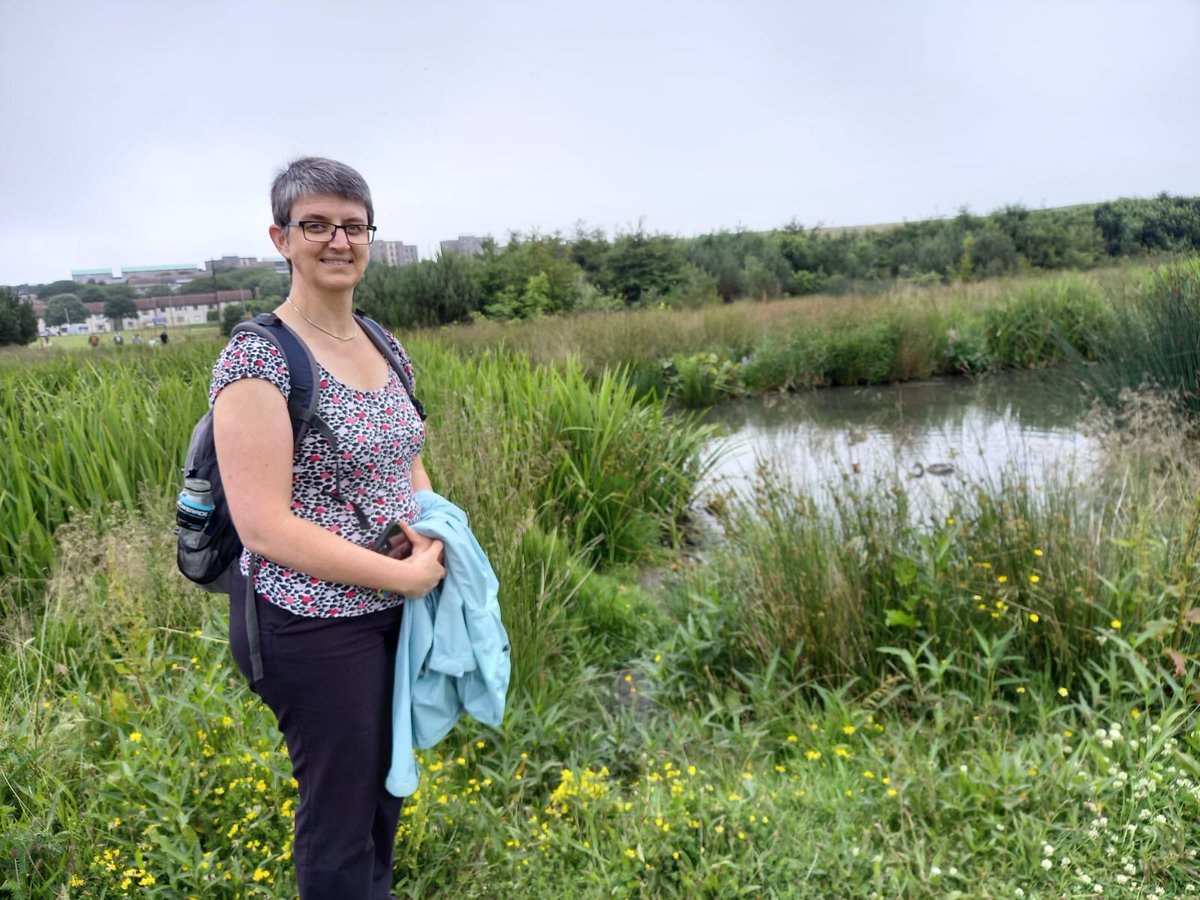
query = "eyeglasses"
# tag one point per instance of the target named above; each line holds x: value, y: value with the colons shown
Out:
x: 324, y: 232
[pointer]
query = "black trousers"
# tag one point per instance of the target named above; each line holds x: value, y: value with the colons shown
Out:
x: 329, y: 683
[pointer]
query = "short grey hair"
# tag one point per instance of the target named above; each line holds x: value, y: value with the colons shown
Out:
x: 310, y: 175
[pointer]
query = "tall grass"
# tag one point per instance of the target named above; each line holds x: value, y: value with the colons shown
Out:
x: 1156, y: 343
x: 1052, y: 571
x: 910, y: 332
x: 83, y: 432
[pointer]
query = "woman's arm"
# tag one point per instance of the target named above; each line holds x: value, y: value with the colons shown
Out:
x: 420, y: 478
x: 253, y: 435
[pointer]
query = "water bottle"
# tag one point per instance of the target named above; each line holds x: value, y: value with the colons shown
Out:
x: 195, y: 504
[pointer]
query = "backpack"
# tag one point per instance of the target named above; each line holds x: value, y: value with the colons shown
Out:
x: 208, y: 545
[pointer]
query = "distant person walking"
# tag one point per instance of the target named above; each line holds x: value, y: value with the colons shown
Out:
x: 94, y: 339
x: 162, y: 338
x: 118, y: 339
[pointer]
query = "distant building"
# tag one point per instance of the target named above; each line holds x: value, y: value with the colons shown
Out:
x: 189, y: 309
x: 95, y: 276
x: 226, y: 263
x: 144, y: 277
x: 466, y: 245
x: 95, y: 320
x: 393, y: 253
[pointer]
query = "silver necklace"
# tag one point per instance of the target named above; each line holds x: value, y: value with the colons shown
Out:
x: 336, y: 337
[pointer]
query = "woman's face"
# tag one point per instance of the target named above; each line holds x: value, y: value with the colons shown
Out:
x: 335, y: 266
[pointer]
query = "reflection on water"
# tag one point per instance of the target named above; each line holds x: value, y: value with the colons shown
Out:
x: 1026, y: 424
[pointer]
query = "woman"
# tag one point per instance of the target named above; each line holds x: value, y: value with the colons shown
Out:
x: 329, y: 607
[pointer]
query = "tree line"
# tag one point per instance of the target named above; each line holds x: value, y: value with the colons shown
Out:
x: 535, y: 274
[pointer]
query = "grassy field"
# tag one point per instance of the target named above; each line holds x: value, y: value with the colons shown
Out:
x: 998, y: 701
x: 175, y: 333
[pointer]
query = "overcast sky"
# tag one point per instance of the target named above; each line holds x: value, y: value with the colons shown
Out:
x: 142, y: 133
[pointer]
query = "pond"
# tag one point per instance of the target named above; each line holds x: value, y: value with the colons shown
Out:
x: 930, y: 434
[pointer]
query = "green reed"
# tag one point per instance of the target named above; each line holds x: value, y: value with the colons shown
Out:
x: 1155, y: 345
x: 1059, y: 569
x: 82, y: 433
x: 910, y: 331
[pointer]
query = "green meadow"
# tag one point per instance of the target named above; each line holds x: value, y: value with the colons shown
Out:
x: 997, y: 699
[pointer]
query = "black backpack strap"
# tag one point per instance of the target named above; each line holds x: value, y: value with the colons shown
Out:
x: 379, y: 338
x: 253, y: 641
x: 305, y: 391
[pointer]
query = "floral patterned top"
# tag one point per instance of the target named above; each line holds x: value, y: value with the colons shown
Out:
x: 378, y: 432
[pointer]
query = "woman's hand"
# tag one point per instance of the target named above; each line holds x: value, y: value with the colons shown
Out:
x: 424, y: 563
x: 399, y: 546
x: 417, y: 541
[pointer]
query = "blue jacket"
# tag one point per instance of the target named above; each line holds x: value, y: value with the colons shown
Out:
x: 453, y: 653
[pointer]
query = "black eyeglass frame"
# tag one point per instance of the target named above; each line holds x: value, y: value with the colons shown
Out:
x: 370, y: 230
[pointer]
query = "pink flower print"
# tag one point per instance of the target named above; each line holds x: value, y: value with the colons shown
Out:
x: 379, y: 520
x: 319, y: 511
x: 324, y: 382
x: 335, y: 528
x: 351, y: 594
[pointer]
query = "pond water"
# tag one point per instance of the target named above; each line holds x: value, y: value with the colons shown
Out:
x: 931, y: 434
